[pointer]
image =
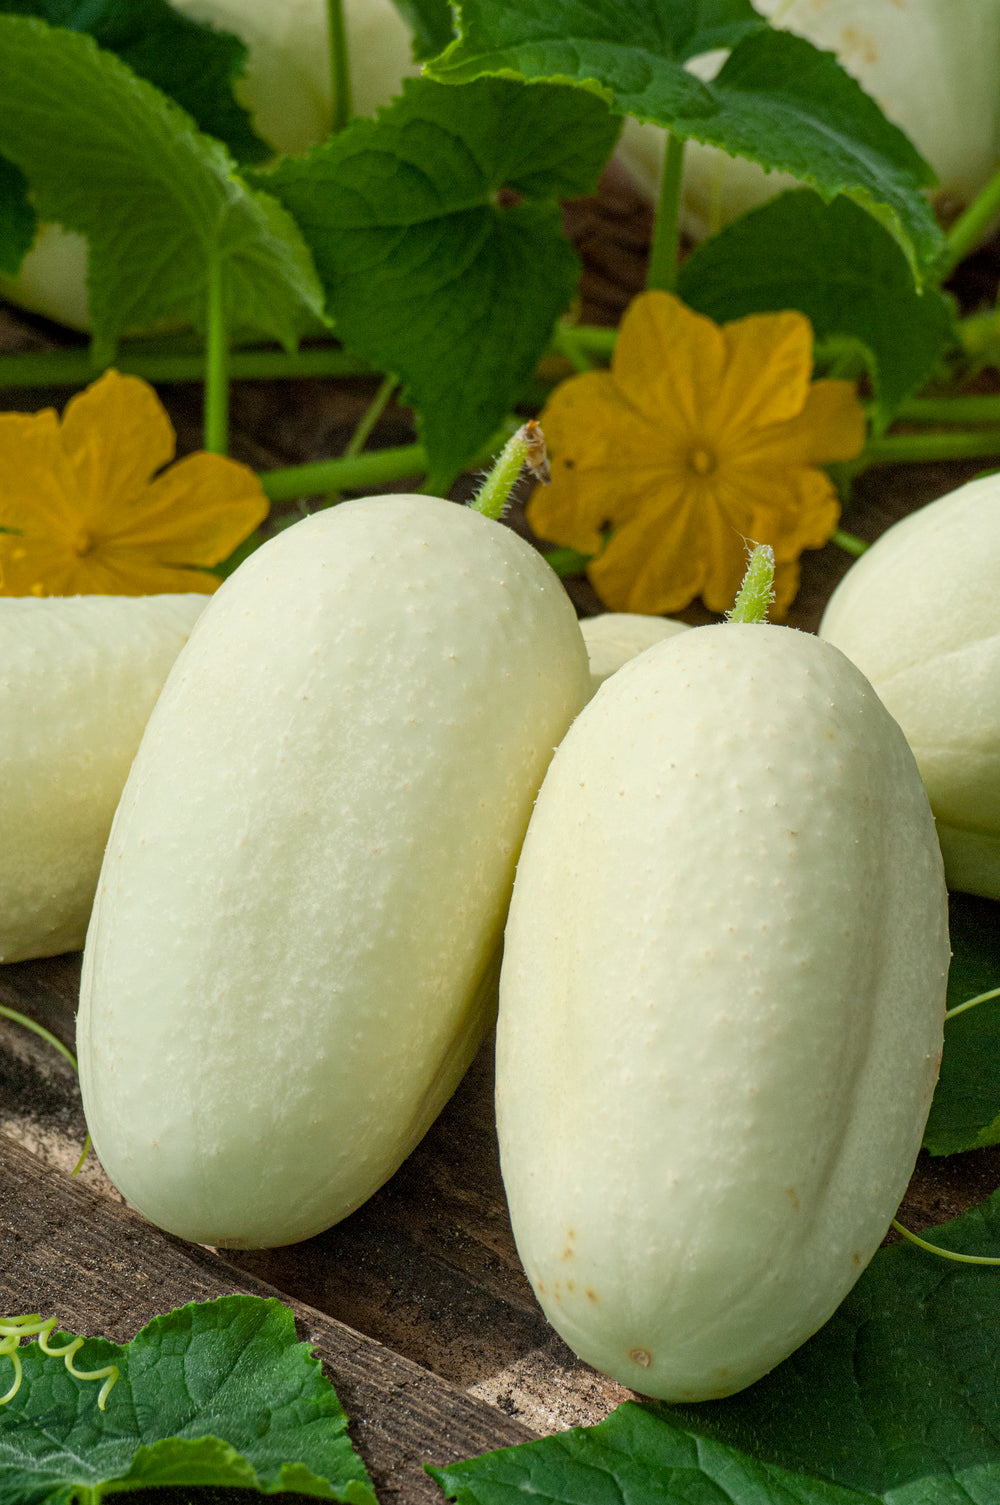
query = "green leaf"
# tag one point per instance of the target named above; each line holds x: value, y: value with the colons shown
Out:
x: 897, y: 1394
x: 894, y: 1400
x: 965, y: 1113
x: 632, y: 50
x: 17, y: 218
x: 108, y: 155
x: 194, y: 63
x: 634, y: 1457
x: 841, y: 269
x: 215, y: 1393
x: 431, y: 24
x: 778, y: 100
x: 436, y: 231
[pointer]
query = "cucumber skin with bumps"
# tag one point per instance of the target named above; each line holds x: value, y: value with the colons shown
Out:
x: 721, y: 1007
x: 292, y: 954
x: 79, y: 676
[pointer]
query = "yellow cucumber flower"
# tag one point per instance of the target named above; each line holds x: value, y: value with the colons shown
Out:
x: 698, y: 440
x: 84, y: 512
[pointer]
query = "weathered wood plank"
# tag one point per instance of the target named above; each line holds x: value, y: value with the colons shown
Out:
x: 428, y: 1267
x: 70, y: 1252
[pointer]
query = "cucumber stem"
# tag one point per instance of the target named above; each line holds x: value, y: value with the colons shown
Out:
x: 216, y: 419
x: 970, y: 1003
x: 970, y: 228
x: 50, y: 1039
x: 71, y: 368
x: 340, y: 71
x: 526, y: 447
x: 39, y: 1029
x: 662, y: 271
x: 757, y: 591
x: 849, y: 542
x: 964, y: 1259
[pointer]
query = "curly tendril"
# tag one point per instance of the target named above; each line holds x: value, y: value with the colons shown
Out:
x: 13, y: 1329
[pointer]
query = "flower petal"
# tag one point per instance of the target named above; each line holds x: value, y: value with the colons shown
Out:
x: 116, y: 434
x: 600, y: 451
x: 831, y: 426
x: 35, y: 567
x: 38, y: 489
x: 769, y: 362
x: 669, y: 363
x: 656, y: 562
x: 107, y: 574
x: 196, y: 512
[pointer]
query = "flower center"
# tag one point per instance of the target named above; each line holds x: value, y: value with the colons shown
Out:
x: 83, y: 543
x: 702, y: 461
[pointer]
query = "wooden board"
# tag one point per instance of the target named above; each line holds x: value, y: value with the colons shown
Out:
x: 419, y: 1308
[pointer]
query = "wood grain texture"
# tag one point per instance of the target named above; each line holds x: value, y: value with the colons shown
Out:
x: 103, y: 1270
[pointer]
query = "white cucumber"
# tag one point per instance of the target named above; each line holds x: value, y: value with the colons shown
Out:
x: 919, y: 613
x: 613, y: 637
x: 721, y: 1007
x: 293, y: 950
x: 78, y: 678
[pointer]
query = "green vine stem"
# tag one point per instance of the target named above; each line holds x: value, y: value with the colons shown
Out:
x: 598, y: 340
x: 970, y: 1003
x: 971, y: 226
x: 40, y: 1030
x: 216, y: 363
x: 849, y: 542
x: 74, y: 368
x: 352, y: 473
x: 979, y: 335
x: 662, y: 271
x: 567, y: 562
x: 340, y: 66
x: 525, y: 448
x: 371, y: 416
x: 13, y: 1329
x: 64, y: 1051
x: 966, y: 444
x: 978, y: 408
x: 754, y: 597
x: 362, y: 432
x: 964, y: 1259
x: 565, y: 342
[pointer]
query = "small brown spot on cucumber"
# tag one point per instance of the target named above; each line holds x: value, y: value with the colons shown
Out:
x: 640, y: 1356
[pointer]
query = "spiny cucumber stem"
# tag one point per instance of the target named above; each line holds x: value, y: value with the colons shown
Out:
x: 525, y: 448
x: 757, y: 591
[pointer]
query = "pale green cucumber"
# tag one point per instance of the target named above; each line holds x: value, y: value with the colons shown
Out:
x: 289, y: 963
x: 78, y: 678
x: 919, y: 613
x: 721, y: 1007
